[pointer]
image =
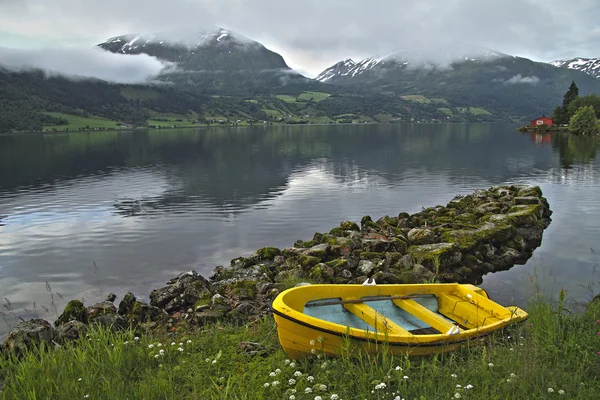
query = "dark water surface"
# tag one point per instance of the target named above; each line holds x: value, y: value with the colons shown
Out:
x: 145, y: 206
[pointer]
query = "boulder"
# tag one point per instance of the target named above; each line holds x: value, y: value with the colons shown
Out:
x: 183, y: 291
x: 100, y: 309
x: 71, y: 330
x: 127, y: 303
x: 111, y: 297
x: 440, y: 256
x: 29, y: 334
x: 418, y: 236
x: 376, y: 246
x: 114, y: 322
x: 365, y: 267
x: 74, y: 311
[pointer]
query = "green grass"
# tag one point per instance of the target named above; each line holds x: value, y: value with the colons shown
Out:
x: 79, y: 122
x: 314, y: 96
x: 446, y: 111
x: 554, y: 349
x: 286, y: 98
x: 479, y: 111
x: 417, y: 98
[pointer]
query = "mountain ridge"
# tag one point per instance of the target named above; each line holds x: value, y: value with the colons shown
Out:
x: 590, y: 66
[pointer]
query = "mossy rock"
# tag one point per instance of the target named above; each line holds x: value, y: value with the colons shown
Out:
x: 142, y: 313
x: 329, y: 239
x: 244, y: 290
x: 338, y: 265
x: 370, y: 255
x: 302, y: 244
x: 393, y: 257
x: 470, y: 261
x: 126, y: 303
x: 307, y: 262
x: 317, y: 237
x: 322, y: 273
x: 349, y: 226
x: 268, y: 253
x: 466, y: 218
x: 100, y: 309
x: 488, y: 232
x: 337, y: 232
x: 525, y: 215
x: 530, y: 191
x: 398, y: 246
x: 419, y: 274
x: 74, y: 311
x: 203, y: 300
x: 435, y: 256
x: 319, y: 251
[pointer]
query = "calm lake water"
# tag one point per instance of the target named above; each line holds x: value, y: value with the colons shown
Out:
x: 146, y: 205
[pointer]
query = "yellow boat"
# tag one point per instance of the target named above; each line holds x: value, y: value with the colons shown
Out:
x: 417, y: 319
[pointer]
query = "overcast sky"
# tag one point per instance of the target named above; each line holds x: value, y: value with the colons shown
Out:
x: 313, y: 34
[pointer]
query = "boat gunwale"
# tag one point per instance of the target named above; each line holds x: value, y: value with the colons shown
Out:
x: 396, y: 339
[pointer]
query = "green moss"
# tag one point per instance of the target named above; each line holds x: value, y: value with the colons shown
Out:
x: 365, y: 219
x: 530, y: 191
x: 393, y: 257
x: 268, y: 253
x: 487, y: 233
x: 321, y: 273
x: 468, y: 218
x: 525, y: 214
x: 349, y: 226
x: 338, y: 265
x: 470, y: 260
x: 399, y: 245
x: 307, y: 262
x: 370, y: 224
x: 74, y: 311
x: 369, y: 255
x: 338, y: 232
x: 317, y: 237
x: 245, y: 289
x: 203, y: 300
x: 329, y: 239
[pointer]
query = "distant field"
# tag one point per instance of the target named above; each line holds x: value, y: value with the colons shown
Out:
x: 417, y: 98
x: 446, y: 111
x: 474, y: 110
x: 79, y: 122
x: 287, y: 98
x: 314, y: 96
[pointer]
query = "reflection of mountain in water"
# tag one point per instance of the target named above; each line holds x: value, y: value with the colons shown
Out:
x: 233, y: 169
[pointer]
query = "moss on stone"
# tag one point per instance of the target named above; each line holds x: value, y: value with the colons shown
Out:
x: 349, y: 226
x: 317, y: 237
x: 470, y: 260
x: 338, y: 265
x: 307, y: 262
x: 268, y: 253
x: 245, y: 289
x: 467, y: 240
x: 321, y: 273
x: 204, y: 300
x: 370, y: 255
x: 337, y: 232
x: 74, y: 311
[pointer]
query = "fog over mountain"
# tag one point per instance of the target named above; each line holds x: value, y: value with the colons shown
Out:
x: 314, y: 34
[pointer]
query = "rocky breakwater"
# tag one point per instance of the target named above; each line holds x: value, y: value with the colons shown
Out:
x: 486, y: 231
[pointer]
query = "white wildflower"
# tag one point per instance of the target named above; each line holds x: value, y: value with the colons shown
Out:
x: 292, y: 391
x: 312, y: 342
x: 334, y: 397
x: 320, y: 339
x: 318, y: 398
x: 207, y: 360
x: 310, y: 378
x: 266, y: 384
x: 398, y: 368
x: 180, y: 349
x: 214, y: 362
x: 173, y: 343
x: 86, y: 396
x: 453, y: 375
x: 79, y: 380
x: 159, y: 345
x: 292, y: 365
x: 161, y: 352
x: 322, y: 388
x: 458, y: 386
x: 380, y: 386
x: 457, y: 395
x: 292, y: 397
x: 292, y: 382
x: 324, y: 365
x: 126, y: 342
x: 405, y: 377
x: 277, y: 371
x: 272, y: 374
x: 308, y: 390
x: 275, y: 383
x: 313, y: 351
x: 150, y: 346
x: 136, y: 338
x: 513, y: 375
x: 511, y: 349
x: 286, y: 362
x: 297, y: 374
x: 550, y: 390
x: 180, y: 343
x: 508, y: 381
x: 188, y: 341
x: 469, y: 386
x: 490, y: 365
x: 561, y: 392
x: 156, y: 356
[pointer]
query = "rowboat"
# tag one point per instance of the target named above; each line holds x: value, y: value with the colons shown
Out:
x: 417, y: 319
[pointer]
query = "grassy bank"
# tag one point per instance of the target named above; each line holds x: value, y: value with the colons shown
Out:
x: 555, y: 353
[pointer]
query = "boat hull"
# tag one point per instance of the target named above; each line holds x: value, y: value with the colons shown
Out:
x: 302, y: 335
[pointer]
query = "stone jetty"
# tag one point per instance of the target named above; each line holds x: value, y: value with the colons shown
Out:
x: 486, y: 231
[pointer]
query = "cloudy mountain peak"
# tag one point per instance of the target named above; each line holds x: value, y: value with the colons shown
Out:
x: 590, y: 66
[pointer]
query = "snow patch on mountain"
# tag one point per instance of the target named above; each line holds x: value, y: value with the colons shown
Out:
x: 590, y: 66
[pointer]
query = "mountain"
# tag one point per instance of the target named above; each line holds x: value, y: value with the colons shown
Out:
x: 340, y: 69
x: 590, y: 66
x: 214, y: 61
x: 468, y: 77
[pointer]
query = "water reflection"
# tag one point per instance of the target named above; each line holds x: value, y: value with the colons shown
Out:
x: 145, y: 205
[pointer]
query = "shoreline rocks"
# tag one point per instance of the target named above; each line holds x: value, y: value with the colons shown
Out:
x: 486, y: 231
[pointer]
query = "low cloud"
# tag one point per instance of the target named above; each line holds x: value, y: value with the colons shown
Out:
x: 85, y: 63
x: 532, y: 80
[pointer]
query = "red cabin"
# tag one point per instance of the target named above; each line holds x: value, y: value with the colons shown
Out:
x: 542, y: 121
